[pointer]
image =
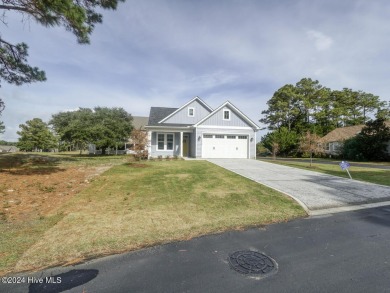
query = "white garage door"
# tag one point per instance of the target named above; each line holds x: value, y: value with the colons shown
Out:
x: 225, y: 146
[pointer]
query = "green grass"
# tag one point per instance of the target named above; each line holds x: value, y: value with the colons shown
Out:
x: 378, y: 176
x: 143, y: 204
x: 15, y: 239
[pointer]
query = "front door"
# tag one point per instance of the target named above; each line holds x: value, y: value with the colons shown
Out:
x: 186, y: 139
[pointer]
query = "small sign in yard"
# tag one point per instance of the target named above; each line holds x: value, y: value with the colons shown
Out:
x: 344, y: 166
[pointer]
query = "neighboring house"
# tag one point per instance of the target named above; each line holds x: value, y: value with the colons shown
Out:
x: 334, y: 140
x: 138, y: 122
x: 196, y: 130
x: 8, y: 149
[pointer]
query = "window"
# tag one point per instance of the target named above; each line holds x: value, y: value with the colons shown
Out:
x: 191, y: 112
x: 219, y: 136
x: 165, y: 141
x: 160, y: 141
x: 242, y: 137
x: 226, y: 114
x: 207, y: 136
x: 231, y: 137
x: 170, y: 142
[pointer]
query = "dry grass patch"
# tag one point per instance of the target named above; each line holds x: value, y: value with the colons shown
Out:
x: 128, y: 208
x: 33, y: 189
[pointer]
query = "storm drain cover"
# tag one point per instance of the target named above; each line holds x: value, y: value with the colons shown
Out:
x: 252, y: 262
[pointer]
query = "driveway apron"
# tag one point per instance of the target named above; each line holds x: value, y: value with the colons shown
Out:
x: 314, y: 191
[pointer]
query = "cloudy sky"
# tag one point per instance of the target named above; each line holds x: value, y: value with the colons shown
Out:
x: 163, y: 53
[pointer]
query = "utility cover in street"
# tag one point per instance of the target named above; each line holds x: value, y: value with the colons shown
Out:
x: 252, y: 262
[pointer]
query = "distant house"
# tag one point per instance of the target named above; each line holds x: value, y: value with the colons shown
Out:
x: 334, y: 140
x: 198, y: 131
x: 8, y: 149
x: 139, y: 123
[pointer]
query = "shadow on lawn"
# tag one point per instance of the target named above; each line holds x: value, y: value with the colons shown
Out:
x: 30, y: 164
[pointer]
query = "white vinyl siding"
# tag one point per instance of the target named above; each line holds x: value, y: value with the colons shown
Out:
x: 183, y: 116
x: 218, y: 119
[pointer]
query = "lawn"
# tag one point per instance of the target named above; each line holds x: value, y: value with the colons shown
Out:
x: 378, y: 176
x: 136, y: 205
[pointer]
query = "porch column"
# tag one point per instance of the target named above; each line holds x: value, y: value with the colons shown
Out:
x: 181, y: 143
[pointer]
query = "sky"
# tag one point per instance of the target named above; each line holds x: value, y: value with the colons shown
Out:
x: 164, y: 53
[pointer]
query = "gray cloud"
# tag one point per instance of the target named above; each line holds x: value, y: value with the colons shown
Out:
x: 163, y: 53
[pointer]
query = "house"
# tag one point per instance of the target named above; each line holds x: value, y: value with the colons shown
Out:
x: 139, y: 123
x: 198, y: 131
x: 8, y: 149
x: 334, y: 140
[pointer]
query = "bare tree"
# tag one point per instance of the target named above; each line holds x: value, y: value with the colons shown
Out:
x: 310, y: 143
x: 139, y: 139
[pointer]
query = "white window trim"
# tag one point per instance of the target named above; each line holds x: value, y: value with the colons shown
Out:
x: 165, y: 141
x: 193, y: 112
x: 226, y: 110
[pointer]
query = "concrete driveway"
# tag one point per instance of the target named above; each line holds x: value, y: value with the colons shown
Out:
x: 318, y: 193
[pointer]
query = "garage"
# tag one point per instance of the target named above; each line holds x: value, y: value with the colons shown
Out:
x: 225, y: 146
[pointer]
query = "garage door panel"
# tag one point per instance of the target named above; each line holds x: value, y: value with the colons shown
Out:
x: 224, y: 146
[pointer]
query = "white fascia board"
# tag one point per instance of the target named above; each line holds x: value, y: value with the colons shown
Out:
x: 185, y: 105
x: 168, y: 129
x: 225, y: 127
x: 235, y: 109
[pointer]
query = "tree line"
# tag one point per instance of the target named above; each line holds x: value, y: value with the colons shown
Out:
x: 102, y: 126
x: 308, y: 108
x: 79, y: 17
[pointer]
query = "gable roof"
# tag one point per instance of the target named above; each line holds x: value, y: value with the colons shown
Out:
x: 139, y: 122
x: 185, y: 105
x: 343, y: 133
x: 236, y: 110
x: 157, y: 114
x: 8, y: 148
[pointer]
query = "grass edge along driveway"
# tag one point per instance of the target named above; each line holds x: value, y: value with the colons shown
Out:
x: 372, y: 175
x: 137, y: 205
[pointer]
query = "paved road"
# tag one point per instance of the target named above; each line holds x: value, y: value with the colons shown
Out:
x: 315, y: 190
x: 344, y: 252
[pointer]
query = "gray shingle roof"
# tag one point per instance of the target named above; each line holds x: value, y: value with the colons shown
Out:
x: 159, y: 113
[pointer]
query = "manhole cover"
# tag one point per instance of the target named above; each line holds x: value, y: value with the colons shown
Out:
x: 252, y: 262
